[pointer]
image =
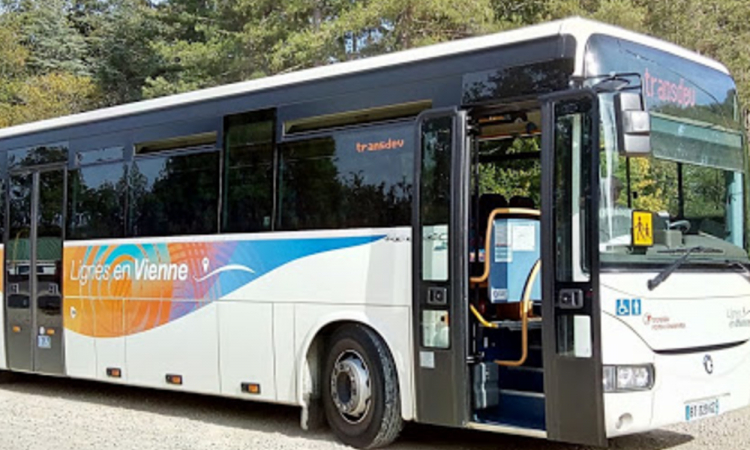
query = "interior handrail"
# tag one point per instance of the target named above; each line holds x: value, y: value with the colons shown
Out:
x: 525, y: 308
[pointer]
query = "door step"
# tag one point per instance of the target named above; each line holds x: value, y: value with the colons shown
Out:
x: 513, y: 392
x: 523, y: 378
x: 507, y: 429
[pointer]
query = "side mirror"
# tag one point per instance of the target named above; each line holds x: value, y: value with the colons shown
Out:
x: 633, y: 125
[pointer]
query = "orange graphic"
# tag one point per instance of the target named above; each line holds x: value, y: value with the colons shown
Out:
x: 110, y: 292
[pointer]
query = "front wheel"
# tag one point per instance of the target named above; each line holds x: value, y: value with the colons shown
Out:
x: 360, y: 389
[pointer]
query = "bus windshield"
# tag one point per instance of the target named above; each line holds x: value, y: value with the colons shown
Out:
x: 694, y: 201
x: 691, y: 186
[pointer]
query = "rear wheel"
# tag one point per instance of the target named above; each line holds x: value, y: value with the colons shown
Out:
x: 360, y: 389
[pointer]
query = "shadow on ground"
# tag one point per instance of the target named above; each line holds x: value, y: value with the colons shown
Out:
x: 417, y: 436
x: 285, y: 419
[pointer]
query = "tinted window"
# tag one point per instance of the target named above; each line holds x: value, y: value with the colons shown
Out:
x: 435, y: 199
x: 175, y: 194
x: 248, y: 188
x: 43, y: 154
x: 100, y: 155
x: 355, y: 178
x: 96, y: 202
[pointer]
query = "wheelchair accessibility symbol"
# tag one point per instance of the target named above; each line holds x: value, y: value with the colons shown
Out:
x: 628, y: 307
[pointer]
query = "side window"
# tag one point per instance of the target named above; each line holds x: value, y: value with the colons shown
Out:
x: 97, y: 201
x: 572, y: 174
x: 354, y: 178
x: 248, y: 176
x: 435, y: 201
x: 33, y: 156
x: 175, y: 191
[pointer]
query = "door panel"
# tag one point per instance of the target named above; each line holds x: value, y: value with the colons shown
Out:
x: 571, y: 309
x: 440, y: 272
x: 48, y: 356
x: 33, y: 264
x: 18, y: 312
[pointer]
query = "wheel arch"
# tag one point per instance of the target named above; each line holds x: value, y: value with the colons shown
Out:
x: 312, y: 352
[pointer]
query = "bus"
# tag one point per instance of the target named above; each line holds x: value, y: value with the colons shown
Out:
x: 540, y: 232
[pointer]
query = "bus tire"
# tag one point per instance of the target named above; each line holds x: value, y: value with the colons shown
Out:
x: 360, y: 388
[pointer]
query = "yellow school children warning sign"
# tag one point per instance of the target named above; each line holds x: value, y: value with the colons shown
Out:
x: 643, y: 228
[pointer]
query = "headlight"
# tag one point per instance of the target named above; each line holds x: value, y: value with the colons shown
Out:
x: 628, y: 378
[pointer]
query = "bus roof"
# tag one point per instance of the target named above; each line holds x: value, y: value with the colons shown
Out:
x: 577, y: 27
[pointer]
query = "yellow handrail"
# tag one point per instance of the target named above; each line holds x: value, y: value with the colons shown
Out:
x: 481, y: 319
x: 525, y: 307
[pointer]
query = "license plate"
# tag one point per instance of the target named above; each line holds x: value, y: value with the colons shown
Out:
x: 702, y: 408
x: 44, y: 342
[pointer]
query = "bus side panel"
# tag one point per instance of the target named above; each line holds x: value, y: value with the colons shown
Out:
x: 110, y: 352
x: 187, y: 347
x: 368, y: 283
x: 246, y: 348
x: 283, y: 342
x: 80, y: 345
x: 195, y: 306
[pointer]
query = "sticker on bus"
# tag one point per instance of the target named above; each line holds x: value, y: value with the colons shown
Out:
x: 643, y: 228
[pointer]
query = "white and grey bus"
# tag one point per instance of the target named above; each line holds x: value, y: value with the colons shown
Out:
x: 540, y: 232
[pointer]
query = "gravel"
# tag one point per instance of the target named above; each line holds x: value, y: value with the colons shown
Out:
x: 47, y: 413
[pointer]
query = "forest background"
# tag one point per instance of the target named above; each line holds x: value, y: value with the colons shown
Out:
x: 60, y: 57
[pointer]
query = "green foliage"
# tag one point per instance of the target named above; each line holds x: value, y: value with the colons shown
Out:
x: 53, y: 42
x: 520, y: 177
x: 121, y: 47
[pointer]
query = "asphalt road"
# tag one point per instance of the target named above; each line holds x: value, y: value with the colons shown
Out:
x: 57, y: 414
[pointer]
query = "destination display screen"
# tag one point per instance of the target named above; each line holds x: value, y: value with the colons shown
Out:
x: 694, y: 110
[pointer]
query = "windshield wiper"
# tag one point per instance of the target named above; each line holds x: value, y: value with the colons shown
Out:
x: 740, y: 265
x: 663, y: 275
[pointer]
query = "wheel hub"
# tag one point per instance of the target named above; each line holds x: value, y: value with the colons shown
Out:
x: 350, y: 387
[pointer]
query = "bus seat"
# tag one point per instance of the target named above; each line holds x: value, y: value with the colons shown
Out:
x: 514, y: 249
x: 487, y: 203
x: 518, y: 201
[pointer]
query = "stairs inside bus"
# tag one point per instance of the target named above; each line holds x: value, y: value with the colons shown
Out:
x: 509, y: 395
x: 507, y: 371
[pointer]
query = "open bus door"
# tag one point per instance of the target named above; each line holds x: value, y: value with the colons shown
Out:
x: 439, y: 249
x: 571, y: 334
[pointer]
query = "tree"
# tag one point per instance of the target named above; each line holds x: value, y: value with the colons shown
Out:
x: 46, y: 96
x: 53, y: 42
x: 123, y: 54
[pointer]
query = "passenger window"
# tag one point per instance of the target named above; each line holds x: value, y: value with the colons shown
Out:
x: 33, y: 156
x: 175, y: 194
x: 354, y: 178
x: 248, y: 179
x: 96, y: 201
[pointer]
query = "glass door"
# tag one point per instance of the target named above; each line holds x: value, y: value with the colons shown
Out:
x: 570, y: 308
x: 440, y: 254
x: 33, y: 265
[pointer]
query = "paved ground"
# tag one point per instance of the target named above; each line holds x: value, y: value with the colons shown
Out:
x: 51, y: 414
